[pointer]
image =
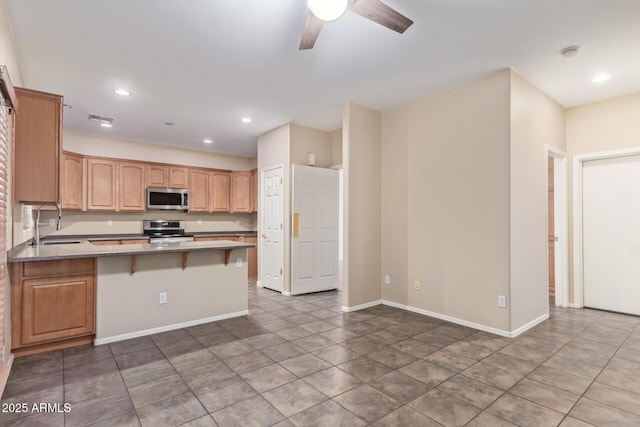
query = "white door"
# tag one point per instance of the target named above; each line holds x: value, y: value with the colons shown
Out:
x: 271, y: 250
x: 611, y: 233
x: 314, y: 244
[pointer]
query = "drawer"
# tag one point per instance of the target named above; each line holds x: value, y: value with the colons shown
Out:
x: 63, y: 267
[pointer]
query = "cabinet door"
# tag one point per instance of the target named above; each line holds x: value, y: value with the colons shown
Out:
x: 132, y: 178
x: 178, y: 177
x: 157, y: 176
x: 71, y: 179
x: 38, y: 129
x: 252, y: 256
x: 220, y: 199
x: 198, y: 190
x: 254, y: 190
x: 241, y: 191
x: 101, y: 185
x: 56, y: 308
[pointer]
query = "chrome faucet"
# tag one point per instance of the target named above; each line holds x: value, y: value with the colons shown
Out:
x: 37, y: 223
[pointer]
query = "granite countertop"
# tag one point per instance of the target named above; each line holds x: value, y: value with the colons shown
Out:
x: 85, y: 249
x: 96, y: 237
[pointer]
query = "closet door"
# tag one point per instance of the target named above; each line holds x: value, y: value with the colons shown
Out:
x: 611, y: 233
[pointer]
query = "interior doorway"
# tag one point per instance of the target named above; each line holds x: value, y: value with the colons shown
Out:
x: 557, y: 231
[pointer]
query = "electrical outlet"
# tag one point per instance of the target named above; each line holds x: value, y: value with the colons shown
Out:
x: 387, y: 279
x: 199, y: 222
x: 109, y: 222
x: 502, y: 301
x: 238, y: 262
x: 163, y: 297
x: 418, y: 285
x: 52, y: 222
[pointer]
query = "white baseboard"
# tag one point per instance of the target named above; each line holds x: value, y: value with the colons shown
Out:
x: 467, y: 323
x: 361, y: 306
x: 259, y: 284
x: 136, y: 334
x: 529, y: 325
x: 286, y: 293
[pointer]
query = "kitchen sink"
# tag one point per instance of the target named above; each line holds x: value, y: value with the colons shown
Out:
x: 60, y: 242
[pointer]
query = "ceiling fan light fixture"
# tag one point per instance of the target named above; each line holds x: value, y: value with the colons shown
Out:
x: 327, y: 10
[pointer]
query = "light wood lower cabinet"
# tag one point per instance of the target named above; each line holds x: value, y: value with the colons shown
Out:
x: 52, y: 304
x: 252, y: 256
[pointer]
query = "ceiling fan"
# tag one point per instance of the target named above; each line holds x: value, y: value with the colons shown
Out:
x: 321, y: 11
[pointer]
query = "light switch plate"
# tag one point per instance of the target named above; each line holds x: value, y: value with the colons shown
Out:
x: 238, y: 262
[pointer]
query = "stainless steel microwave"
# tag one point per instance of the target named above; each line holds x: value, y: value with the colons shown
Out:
x: 168, y: 199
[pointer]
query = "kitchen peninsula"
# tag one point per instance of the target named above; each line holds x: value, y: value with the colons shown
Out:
x: 70, y: 293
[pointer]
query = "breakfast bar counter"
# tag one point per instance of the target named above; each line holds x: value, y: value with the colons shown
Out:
x: 124, y: 291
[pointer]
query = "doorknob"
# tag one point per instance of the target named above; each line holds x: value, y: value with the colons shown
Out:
x: 264, y: 235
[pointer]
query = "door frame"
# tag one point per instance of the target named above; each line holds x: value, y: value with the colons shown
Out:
x: 260, y: 221
x: 578, y: 248
x: 561, y: 226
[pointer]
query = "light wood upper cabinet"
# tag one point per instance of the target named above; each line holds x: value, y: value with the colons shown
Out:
x: 220, y: 198
x: 132, y: 178
x: 157, y: 176
x: 241, y: 191
x: 198, y: 190
x: 178, y: 177
x: 38, y: 130
x: 71, y: 181
x: 254, y: 190
x: 101, y: 184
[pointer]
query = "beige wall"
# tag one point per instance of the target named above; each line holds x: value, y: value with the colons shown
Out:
x: 204, y: 291
x: 106, y: 147
x: 274, y: 148
x: 602, y: 126
x: 336, y: 147
x: 8, y: 54
x: 448, y: 189
x: 83, y: 223
x: 362, y: 204
x: 536, y: 121
x: 306, y: 140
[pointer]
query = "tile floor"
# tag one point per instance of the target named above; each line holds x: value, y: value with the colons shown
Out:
x: 302, y: 361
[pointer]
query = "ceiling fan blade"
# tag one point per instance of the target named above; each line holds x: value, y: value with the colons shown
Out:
x: 311, y: 31
x: 382, y: 14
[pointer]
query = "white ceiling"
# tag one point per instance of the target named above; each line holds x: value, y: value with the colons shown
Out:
x: 204, y: 64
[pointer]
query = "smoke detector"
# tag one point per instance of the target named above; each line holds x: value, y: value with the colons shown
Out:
x: 570, y: 51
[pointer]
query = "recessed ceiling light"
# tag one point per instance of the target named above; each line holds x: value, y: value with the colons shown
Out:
x: 208, y: 141
x: 169, y: 123
x: 246, y: 120
x: 601, y: 78
x: 122, y: 92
